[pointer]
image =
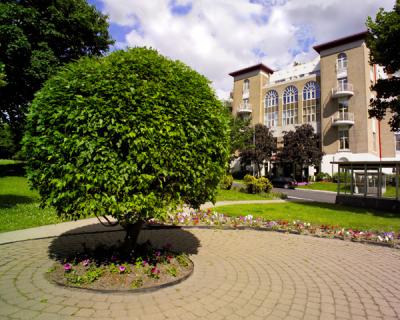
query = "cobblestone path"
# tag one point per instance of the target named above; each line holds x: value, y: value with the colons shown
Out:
x: 238, y: 275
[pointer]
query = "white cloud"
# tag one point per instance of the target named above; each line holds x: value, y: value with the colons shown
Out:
x: 220, y: 36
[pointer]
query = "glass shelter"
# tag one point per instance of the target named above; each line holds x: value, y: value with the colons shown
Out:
x: 369, y: 183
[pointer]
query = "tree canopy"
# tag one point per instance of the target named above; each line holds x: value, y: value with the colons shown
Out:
x: 131, y: 135
x: 240, y: 133
x: 301, y: 147
x: 36, y: 37
x: 3, y: 81
x: 383, y: 42
x: 259, y: 146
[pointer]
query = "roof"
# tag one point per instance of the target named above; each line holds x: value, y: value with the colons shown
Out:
x: 259, y: 66
x: 295, y: 72
x: 340, y: 41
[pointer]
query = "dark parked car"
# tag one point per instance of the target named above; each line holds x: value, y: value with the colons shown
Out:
x: 284, y: 182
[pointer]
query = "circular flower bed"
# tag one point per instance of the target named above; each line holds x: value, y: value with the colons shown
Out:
x: 213, y: 218
x: 107, y: 269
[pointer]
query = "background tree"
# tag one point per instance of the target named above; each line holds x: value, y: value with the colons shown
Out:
x: 36, y: 37
x: 383, y: 41
x: 240, y: 134
x: 7, y: 146
x: 3, y: 81
x: 301, y: 147
x: 132, y: 135
x: 258, y: 148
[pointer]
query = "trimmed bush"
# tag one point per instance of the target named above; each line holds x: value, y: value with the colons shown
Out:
x: 323, y: 176
x: 343, y: 176
x: 267, y: 185
x: 254, y: 185
x: 132, y: 135
x: 226, y: 182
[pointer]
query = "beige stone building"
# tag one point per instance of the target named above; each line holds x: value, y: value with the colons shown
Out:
x: 331, y: 92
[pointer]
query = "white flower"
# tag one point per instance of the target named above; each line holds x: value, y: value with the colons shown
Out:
x: 380, y: 238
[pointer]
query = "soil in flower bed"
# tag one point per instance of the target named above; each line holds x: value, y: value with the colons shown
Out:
x: 108, y: 269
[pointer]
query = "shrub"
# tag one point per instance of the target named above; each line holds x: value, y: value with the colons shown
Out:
x: 267, y: 185
x: 226, y: 182
x: 131, y: 135
x: 343, y: 176
x: 323, y: 176
x: 254, y: 185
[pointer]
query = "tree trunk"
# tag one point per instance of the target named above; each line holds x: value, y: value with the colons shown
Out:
x: 132, y: 235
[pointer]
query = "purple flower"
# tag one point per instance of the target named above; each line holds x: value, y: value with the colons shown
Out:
x: 67, y: 267
x: 122, y: 269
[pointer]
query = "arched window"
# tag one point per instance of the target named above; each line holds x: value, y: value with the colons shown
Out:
x: 341, y: 61
x: 246, y: 85
x: 311, y: 95
x: 290, y: 105
x: 271, y: 109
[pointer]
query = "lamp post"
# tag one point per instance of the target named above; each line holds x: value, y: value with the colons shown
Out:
x: 254, y: 144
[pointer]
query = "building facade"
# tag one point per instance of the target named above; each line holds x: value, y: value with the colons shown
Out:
x: 331, y: 92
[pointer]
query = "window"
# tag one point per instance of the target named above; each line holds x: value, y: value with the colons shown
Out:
x: 341, y: 62
x: 344, y: 139
x: 271, y: 109
x: 343, y: 108
x: 246, y: 104
x: 246, y: 85
x: 397, y: 135
x: 311, y: 95
x: 342, y: 84
x: 290, y: 105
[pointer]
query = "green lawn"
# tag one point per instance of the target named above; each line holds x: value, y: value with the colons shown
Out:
x: 8, y: 161
x: 326, y: 186
x: 19, y: 206
x: 318, y: 213
x: 235, y: 195
x: 332, y: 186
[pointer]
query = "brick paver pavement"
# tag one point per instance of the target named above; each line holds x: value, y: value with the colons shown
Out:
x: 238, y: 275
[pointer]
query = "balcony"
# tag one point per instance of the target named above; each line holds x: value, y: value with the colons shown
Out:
x: 343, y: 90
x: 244, y: 108
x: 343, y: 119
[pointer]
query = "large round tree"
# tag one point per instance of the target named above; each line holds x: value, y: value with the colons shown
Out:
x: 131, y: 135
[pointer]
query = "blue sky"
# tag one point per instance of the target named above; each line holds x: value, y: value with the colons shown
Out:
x: 216, y: 37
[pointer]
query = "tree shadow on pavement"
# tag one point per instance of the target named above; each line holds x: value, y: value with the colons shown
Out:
x: 90, y: 237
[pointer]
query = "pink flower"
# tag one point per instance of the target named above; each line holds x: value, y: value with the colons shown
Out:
x: 155, y: 271
x: 85, y: 262
x: 67, y: 267
x: 121, y: 269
